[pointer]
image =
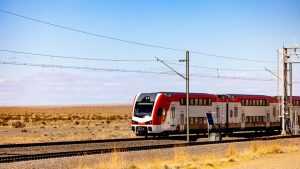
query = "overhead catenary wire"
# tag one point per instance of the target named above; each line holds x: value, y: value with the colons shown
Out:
x: 129, y: 41
x: 127, y: 71
x: 216, y: 68
x: 79, y: 67
x: 75, y: 58
x: 172, y: 62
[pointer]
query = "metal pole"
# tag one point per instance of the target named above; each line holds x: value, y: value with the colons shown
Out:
x: 291, y: 97
x: 284, y: 97
x: 187, y: 54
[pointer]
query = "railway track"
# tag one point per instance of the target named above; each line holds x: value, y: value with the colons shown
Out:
x: 37, y: 151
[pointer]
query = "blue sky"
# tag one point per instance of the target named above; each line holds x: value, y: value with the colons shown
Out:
x: 251, y: 29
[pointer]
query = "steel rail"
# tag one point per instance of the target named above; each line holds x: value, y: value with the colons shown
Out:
x: 10, y: 159
x: 68, y: 142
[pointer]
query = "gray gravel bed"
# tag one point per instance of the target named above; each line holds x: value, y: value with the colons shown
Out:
x: 128, y: 158
x: 80, y: 147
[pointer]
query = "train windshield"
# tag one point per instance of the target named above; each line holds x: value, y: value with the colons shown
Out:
x: 143, y: 109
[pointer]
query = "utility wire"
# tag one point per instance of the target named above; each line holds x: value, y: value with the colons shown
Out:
x: 129, y: 41
x: 126, y: 71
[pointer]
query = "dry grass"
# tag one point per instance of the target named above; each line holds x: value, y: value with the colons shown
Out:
x: 36, y: 115
x: 38, y: 124
x: 184, y: 160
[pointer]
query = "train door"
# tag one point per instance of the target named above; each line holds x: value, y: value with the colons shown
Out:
x: 296, y: 121
x: 243, y: 120
x: 218, y: 120
x: 182, y: 126
x: 172, y: 116
x: 268, y: 120
x: 227, y: 116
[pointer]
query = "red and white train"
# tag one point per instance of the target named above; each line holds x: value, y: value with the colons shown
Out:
x: 165, y: 112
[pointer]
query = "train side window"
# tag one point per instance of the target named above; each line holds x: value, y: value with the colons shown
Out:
x: 236, y: 111
x: 231, y: 113
x: 182, y: 101
x: 192, y: 101
x: 274, y: 111
x: 203, y: 102
x: 196, y: 101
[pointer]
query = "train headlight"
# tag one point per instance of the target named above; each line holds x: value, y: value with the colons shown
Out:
x: 148, y: 122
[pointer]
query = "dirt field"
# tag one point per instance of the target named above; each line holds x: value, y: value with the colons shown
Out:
x: 39, y: 124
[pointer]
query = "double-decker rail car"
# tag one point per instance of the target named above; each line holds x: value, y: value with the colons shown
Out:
x: 165, y: 112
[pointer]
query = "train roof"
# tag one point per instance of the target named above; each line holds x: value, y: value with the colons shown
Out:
x: 249, y: 96
x: 191, y: 94
x: 237, y: 96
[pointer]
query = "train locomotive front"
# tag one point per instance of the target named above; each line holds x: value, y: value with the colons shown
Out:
x: 148, y: 115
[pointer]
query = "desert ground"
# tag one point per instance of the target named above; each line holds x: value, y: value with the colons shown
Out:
x: 54, y: 123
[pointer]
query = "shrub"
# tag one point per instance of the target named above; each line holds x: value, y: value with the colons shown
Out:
x: 18, y: 124
x: 24, y: 131
x: 76, y: 122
